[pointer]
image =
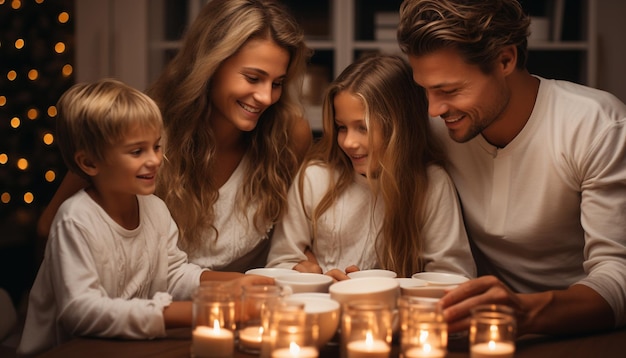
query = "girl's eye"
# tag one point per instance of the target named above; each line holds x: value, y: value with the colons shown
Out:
x: 251, y: 79
x: 277, y: 84
x: 136, y: 152
x: 363, y: 129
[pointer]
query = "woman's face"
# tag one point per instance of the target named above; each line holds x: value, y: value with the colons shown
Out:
x: 352, y: 133
x: 247, y: 83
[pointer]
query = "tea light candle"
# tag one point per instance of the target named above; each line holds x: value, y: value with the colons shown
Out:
x: 251, y: 337
x: 492, y: 349
x: 425, y: 351
x: 295, y: 351
x: 368, y: 348
x: 212, y: 342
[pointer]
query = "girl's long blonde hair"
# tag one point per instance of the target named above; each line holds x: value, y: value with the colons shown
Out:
x: 397, y: 107
x: 182, y: 93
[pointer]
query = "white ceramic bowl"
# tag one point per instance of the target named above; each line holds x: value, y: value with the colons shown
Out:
x: 373, y: 273
x: 440, y: 278
x: 322, y: 310
x: 305, y: 282
x: 408, y: 284
x: 271, y: 271
x: 428, y: 291
x: 383, y: 289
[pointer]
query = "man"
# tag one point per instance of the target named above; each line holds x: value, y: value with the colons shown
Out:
x: 540, y: 167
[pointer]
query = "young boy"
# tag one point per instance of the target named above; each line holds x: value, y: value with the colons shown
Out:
x: 112, y: 267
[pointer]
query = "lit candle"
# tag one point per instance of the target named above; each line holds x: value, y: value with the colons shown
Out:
x: 368, y: 348
x: 251, y: 337
x: 295, y: 351
x: 425, y: 351
x: 492, y: 349
x: 212, y: 342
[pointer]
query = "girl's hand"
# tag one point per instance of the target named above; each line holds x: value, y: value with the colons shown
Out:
x: 308, y: 266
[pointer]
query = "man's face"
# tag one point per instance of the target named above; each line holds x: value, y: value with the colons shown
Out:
x: 467, y: 99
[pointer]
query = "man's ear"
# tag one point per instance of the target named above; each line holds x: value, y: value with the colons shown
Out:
x: 508, y: 59
x: 86, y: 163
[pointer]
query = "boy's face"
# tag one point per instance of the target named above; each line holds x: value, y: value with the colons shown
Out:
x: 131, y: 165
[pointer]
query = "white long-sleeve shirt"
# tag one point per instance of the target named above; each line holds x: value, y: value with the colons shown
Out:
x: 239, y: 246
x: 346, y: 231
x: 100, y: 279
x: 549, y: 210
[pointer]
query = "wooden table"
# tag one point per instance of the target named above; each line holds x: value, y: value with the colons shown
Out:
x: 602, y: 345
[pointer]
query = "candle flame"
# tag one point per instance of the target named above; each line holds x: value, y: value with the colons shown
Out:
x: 216, y: 326
x: 369, y: 339
x: 492, y: 345
x: 494, y: 334
x: 294, y: 348
x: 427, y: 348
x: 423, y: 337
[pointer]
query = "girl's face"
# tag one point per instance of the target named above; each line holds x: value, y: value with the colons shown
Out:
x: 352, y: 133
x: 247, y: 83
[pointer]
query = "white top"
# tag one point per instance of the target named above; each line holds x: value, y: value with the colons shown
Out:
x: 346, y: 231
x: 549, y: 209
x: 99, y: 279
x: 239, y: 246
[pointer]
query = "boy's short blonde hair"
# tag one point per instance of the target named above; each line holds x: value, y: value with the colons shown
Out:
x: 94, y: 116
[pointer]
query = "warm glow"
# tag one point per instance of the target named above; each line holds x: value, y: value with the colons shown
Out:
x: 22, y: 164
x: 50, y: 176
x: 32, y: 114
x: 15, y: 122
x: 19, y: 43
x: 3, y: 158
x: 16, y: 4
x: 52, y: 111
x: 63, y: 17
x: 48, y: 138
x: 3, y: 101
x: 12, y: 75
x: 6, y: 197
x: 369, y: 339
x: 28, y: 197
x: 59, y: 47
x: 67, y: 70
x: 39, y: 1
x: 294, y: 349
x: 33, y: 74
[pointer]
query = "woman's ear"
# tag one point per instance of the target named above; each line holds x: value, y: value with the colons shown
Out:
x: 86, y: 163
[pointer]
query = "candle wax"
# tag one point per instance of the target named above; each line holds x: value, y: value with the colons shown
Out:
x: 368, y: 349
x: 304, y: 352
x: 212, y: 343
x: 492, y: 350
x: 421, y: 352
x: 251, y: 337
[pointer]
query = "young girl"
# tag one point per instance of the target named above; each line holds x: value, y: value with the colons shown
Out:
x: 234, y: 131
x: 112, y: 267
x: 373, y: 191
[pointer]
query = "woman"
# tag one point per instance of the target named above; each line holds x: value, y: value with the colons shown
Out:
x: 234, y: 131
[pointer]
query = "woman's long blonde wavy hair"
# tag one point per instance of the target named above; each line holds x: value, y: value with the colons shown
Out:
x: 182, y: 93
x: 397, y: 107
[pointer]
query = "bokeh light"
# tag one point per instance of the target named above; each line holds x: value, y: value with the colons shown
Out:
x: 59, y: 47
x: 50, y: 176
x: 28, y: 197
x: 15, y: 122
x: 22, y: 164
x: 33, y: 74
x: 19, y: 44
x: 11, y: 75
x: 63, y: 17
x: 5, y: 197
x: 48, y: 138
x: 52, y: 111
x: 32, y: 114
x: 4, y: 158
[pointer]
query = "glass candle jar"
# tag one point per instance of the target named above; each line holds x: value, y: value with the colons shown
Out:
x: 492, y: 332
x: 213, y: 320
